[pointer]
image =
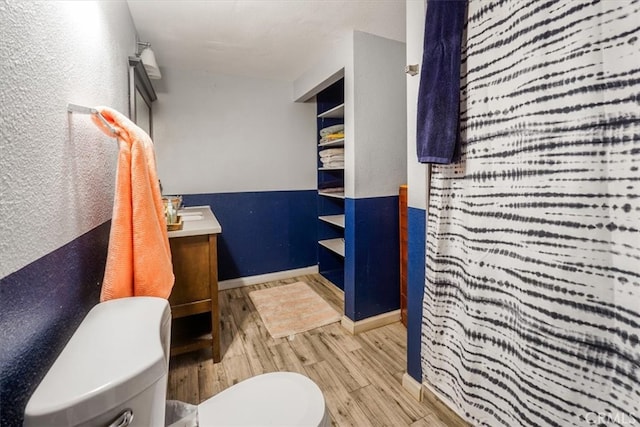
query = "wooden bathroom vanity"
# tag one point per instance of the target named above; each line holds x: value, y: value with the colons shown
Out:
x: 194, y: 298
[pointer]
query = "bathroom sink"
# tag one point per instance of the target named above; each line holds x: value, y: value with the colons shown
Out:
x: 190, y: 216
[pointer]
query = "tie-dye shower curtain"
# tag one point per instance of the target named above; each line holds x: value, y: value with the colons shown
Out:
x: 531, y: 312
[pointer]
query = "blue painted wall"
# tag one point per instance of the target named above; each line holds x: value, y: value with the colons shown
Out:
x: 263, y: 232
x: 415, y: 288
x: 41, y: 306
x: 372, y: 257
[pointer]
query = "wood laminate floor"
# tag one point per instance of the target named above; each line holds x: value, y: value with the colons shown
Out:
x: 360, y: 376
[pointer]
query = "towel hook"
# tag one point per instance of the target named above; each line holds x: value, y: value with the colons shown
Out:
x: 412, y: 70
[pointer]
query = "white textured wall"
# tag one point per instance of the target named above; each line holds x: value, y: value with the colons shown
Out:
x: 417, y: 173
x: 57, y: 171
x: 375, y: 110
x: 219, y: 133
x: 380, y: 131
x: 327, y: 70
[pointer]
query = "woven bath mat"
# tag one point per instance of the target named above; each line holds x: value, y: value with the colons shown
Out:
x: 291, y: 309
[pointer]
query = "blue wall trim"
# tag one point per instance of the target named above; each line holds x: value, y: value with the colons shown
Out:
x: 263, y: 232
x: 372, y: 257
x: 41, y: 306
x: 415, y: 288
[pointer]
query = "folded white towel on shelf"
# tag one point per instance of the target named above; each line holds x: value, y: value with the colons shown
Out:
x: 336, y: 164
x: 331, y: 129
x: 336, y: 158
x: 336, y: 138
x: 331, y: 152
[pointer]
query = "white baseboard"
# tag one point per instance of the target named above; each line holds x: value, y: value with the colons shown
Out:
x: 427, y: 388
x: 369, y: 323
x: 269, y: 277
x: 412, y: 386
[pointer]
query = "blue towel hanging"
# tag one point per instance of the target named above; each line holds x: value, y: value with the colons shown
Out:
x: 439, y: 93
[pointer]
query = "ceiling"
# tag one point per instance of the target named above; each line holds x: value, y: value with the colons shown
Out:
x: 273, y: 39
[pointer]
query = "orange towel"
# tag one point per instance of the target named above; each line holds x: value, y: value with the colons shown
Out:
x: 139, y: 257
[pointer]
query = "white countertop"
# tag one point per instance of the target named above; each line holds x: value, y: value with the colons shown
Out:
x: 197, y: 220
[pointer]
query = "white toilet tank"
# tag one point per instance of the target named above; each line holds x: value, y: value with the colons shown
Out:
x: 114, y: 366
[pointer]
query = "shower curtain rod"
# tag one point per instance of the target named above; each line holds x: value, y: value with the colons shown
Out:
x: 74, y: 108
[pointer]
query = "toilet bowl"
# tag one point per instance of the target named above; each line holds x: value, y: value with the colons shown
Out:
x: 274, y: 399
x: 114, y: 371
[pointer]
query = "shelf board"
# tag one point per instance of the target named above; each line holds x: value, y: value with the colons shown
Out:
x: 336, y: 195
x: 180, y: 346
x: 331, y: 169
x: 190, y: 308
x: 333, y: 219
x: 334, y: 143
x: 335, y: 245
x: 334, y: 113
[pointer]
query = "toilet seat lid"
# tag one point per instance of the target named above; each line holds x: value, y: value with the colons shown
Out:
x: 273, y: 399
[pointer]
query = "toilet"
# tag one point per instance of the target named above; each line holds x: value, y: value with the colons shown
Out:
x: 113, y: 372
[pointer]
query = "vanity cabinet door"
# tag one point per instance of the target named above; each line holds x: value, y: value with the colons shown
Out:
x: 191, y: 258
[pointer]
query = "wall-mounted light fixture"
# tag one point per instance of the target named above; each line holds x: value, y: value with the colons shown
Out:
x: 148, y: 58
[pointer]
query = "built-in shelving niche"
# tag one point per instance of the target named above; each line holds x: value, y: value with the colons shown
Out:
x: 331, y: 224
